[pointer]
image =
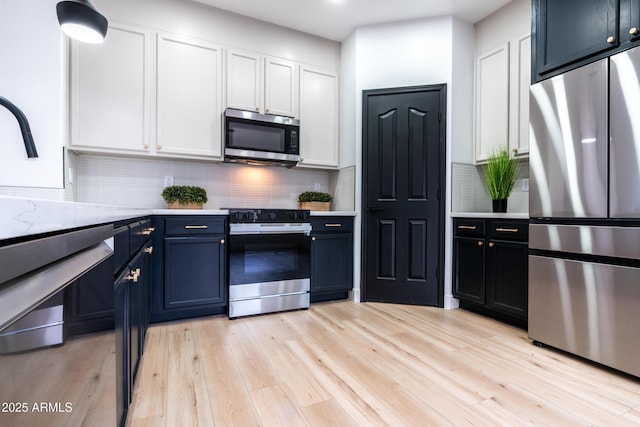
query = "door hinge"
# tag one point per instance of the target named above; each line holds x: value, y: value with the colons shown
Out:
x: 439, y: 116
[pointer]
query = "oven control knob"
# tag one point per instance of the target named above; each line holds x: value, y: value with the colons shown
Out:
x: 239, y: 216
x: 293, y: 215
x: 272, y: 215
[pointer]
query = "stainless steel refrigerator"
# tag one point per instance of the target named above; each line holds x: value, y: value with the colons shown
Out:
x: 584, y: 233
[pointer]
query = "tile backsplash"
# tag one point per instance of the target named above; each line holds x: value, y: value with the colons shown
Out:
x: 138, y: 183
x: 469, y: 191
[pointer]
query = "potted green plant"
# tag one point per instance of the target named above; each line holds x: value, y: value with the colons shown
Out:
x: 184, y: 197
x: 315, y: 201
x: 501, y: 173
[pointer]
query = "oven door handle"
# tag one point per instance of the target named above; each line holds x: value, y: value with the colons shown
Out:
x: 246, y: 233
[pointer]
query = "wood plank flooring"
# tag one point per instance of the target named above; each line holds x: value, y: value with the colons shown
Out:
x: 349, y: 364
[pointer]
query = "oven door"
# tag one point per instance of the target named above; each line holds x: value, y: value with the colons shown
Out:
x: 268, y: 273
x: 259, y: 258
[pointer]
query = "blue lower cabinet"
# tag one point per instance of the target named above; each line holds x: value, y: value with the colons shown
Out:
x: 190, y: 269
x: 331, y: 258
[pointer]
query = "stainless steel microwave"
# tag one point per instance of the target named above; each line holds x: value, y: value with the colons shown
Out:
x: 264, y: 139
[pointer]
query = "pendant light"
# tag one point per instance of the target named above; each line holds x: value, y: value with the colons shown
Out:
x: 79, y: 20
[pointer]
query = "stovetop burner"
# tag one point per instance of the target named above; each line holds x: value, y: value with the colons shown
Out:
x: 238, y: 216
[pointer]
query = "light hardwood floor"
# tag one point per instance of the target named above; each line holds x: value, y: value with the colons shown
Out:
x: 349, y: 364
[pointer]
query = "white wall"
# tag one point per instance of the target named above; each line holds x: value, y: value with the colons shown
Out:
x: 508, y: 23
x: 32, y: 76
x: 419, y: 52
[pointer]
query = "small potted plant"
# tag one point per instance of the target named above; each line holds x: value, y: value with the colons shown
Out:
x: 315, y: 201
x: 184, y: 197
x: 501, y: 173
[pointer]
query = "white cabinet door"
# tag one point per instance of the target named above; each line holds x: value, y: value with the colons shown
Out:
x: 318, y: 118
x: 244, y: 80
x: 281, y: 87
x: 519, y: 134
x: 189, y: 97
x: 110, y: 89
x: 492, y: 102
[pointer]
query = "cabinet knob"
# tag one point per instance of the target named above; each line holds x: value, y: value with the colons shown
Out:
x: 515, y: 150
x: 222, y: 241
x: 148, y: 250
x: 611, y: 40
x: 313, y: 238
x: 159, y: 147
x: 634, y: 31
x: 491, y: 244
x: 146, y: 146
x: 480, y: 243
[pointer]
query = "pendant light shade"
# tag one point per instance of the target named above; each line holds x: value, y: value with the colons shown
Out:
x: 79, y: 20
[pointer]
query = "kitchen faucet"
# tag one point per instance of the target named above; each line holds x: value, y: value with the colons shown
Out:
x: 29, y: 145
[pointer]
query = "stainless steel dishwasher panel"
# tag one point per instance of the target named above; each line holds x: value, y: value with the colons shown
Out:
x: 586, y: 308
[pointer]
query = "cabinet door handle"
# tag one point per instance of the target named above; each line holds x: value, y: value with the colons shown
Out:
x: 491, y: 244
x: 467, y: 227
x: 333, y: 225
x: 611, y: 40
x: 195, y: 227
x: 634, y: 31
x: 148, y: 231
x: 507, y: 230
x: 133, y: 276
x: 480, y: 243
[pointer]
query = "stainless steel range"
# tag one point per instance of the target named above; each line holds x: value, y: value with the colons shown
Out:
x: 269, y: 262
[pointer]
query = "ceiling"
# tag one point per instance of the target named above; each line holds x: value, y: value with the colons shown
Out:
x: 336, y: 19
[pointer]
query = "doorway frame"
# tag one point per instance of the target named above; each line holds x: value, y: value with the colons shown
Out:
x: 442, y: 152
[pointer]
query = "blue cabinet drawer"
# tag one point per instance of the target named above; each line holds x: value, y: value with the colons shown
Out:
x: 331, y: 224
x: 195, y: 225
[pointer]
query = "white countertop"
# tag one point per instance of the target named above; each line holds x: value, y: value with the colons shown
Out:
x: 24, y: 216
x: 226, y: 212
x: 490, y: 215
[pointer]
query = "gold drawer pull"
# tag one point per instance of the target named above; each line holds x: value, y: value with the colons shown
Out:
x: 195, y: 227
x: 467, y: 227
x: 333, y: 225
x: 507, y: 230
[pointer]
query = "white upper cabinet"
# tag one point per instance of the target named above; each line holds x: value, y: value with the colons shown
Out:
x: 110, y: 96
x: 244, y: 80
x: 503, y: 76
x: 318, y: 118
x: 189, y: 97
x: 519, y: 132
x: 163, y: 94
x: 281, y: 87
x: 492, y: 102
